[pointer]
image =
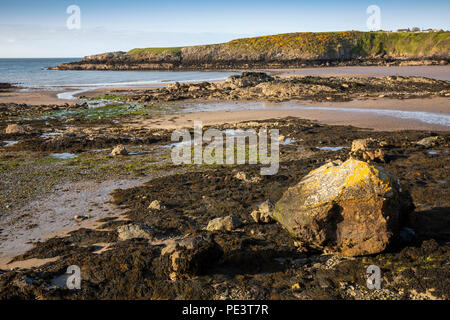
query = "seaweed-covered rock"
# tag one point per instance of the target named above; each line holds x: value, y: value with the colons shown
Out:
x: 350, y: 207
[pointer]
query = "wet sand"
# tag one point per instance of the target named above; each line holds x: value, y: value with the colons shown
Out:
x: 359, y: 119
x: 33, y: 97
x: 268, y: 110
x: 53, y: 216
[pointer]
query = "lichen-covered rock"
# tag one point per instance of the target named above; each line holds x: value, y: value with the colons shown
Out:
x: 227, y: 223
x: 135, y: 231
x: 189, y: 256
x: 350, y: 207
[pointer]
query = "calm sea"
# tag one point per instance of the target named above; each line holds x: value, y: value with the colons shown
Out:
x: 33, y: 73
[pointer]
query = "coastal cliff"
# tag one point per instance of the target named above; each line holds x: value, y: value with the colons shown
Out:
x: 290, y: 50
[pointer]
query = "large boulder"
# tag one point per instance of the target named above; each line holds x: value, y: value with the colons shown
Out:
x: 350, y: 207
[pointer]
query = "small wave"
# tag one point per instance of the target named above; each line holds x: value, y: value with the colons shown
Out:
x: 70, y: 95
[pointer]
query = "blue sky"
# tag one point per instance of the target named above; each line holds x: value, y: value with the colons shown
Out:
x: 38, y: 28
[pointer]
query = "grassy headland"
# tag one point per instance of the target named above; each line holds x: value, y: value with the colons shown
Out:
x: 282, y: 51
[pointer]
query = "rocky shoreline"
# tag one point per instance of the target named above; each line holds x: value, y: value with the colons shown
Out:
x: 224, y: 231
x: 259, y: 86
x: 126, y: 64
x: 7, y: 87
x: 245, y: 258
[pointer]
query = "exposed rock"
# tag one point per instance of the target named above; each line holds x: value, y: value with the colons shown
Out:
x: 174, y: 86
x: 15, y: 129
x: 430, y: 141
x: 119, y: 150
x: 135, y: 230
x: 190, y: 256
x: 6, y: 87
x: 82, y: 218
x: 353, y: 207
x: 155, y: 205
x: 227, y: 223
x: 367, y: 149
x: 264, y: 212
x: 260, y: 86
x: 249, y: 79
x: 244, y: 176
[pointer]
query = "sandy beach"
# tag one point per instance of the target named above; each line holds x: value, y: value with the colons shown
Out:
x: 35, y: 97
x: 323, y: 113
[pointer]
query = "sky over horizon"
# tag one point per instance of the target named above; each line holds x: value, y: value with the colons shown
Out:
x: 39, y: 28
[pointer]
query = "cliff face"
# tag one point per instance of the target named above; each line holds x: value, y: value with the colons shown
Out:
x: 280, y: 51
